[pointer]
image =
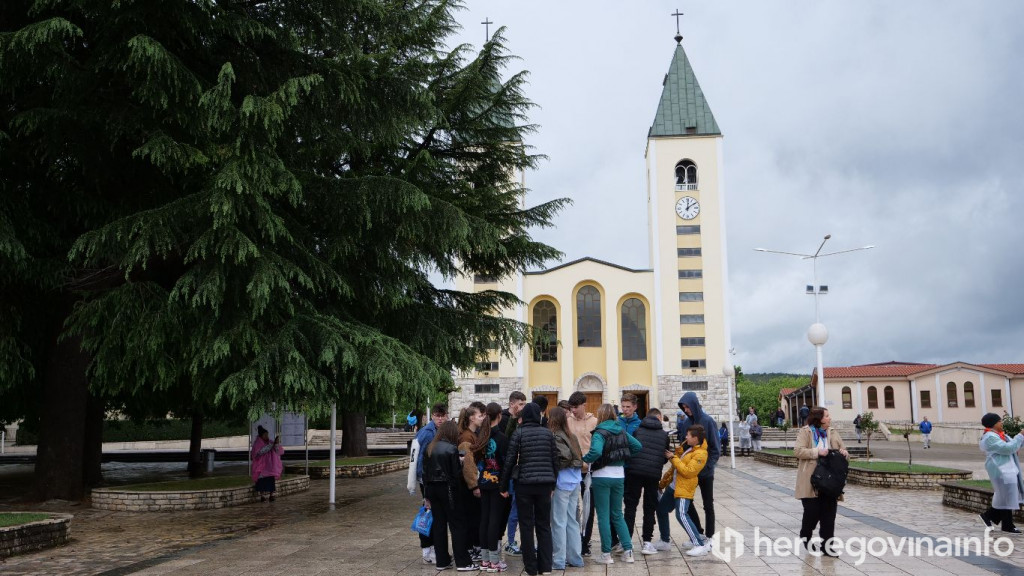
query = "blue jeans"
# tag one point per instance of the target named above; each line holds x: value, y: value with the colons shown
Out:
x: 513, y: 515
x: 568, y: 548
x: 666, y: 504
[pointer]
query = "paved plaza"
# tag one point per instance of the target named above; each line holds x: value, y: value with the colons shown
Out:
x: 368, y: 533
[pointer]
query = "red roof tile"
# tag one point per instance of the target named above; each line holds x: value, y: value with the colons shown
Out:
x: 875, y: 370
x: 1012, y: 368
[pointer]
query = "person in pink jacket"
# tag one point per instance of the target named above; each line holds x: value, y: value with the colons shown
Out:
x: 266, y: 463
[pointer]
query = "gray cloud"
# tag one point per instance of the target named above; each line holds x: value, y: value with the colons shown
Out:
x: 894, y: 124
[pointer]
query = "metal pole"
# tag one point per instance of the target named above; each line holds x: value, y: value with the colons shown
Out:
x: 334, y: 432
x: 732, y: 411
x: 821, y: 378
x: 3, y: 439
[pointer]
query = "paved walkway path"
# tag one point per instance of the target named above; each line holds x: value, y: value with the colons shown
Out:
x: 368, y: 533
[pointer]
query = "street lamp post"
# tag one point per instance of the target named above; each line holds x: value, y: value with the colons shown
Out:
x: 730, y: 373
x: 817, y: 334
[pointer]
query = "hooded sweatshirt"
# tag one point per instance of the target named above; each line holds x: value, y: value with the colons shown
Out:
x: 613, y: 469
x: 698, y: 416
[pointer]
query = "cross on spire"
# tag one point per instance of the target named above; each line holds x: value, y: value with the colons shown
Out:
x: 487, y: 28
x: 677, y: 14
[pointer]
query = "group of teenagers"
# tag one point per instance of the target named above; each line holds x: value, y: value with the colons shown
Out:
x: 550, y: 471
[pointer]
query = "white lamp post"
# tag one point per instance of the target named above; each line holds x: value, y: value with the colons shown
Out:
x: 730, y: 373
x: 817, y: 334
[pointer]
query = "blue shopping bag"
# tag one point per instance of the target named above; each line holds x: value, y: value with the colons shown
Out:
x: 423, y: 521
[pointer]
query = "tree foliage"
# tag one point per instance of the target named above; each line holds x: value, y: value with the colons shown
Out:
x: 243, y: 202
x: 762, y: 392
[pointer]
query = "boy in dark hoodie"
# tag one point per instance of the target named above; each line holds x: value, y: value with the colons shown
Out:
x: 706, y: 480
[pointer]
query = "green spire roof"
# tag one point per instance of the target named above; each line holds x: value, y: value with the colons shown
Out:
x: 682, y: 111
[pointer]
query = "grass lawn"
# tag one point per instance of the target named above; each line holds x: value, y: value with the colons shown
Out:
x: 779, y: 451
x: 14, y: 519
x: 900, y: 467
x: 214, y: 483
x: 357, y: 461
x: 986, y: 484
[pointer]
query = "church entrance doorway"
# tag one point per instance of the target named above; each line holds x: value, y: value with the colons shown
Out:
x: 641, y: 403
x: 551, y: 396
x: 594, y: 401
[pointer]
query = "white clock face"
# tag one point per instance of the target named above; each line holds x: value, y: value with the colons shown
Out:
x: 687, y: 207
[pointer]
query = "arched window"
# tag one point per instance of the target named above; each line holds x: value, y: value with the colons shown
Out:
x: 847, y: 398
x: 968, y: 395
x: 686, y: 175
x: 890, y: 398
x: 545, y: 321
x: 588, y: 317
x: 634, y: 330
x: 951, y: 395
x: 872, y: 398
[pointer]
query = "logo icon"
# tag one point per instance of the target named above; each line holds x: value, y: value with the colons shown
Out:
x: 727, y: 545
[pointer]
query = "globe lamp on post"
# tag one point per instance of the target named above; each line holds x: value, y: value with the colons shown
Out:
x: 817, y: 334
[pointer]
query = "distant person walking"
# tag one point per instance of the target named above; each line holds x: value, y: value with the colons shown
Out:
x: 1003, y: 469
x: 266, y: 463
x: 856, y: 427
x: 804, y: 412
x: 926, y: 432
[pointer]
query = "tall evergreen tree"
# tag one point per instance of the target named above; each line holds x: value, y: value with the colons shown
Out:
x: 245, y: 200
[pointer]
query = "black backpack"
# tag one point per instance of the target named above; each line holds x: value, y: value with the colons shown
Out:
x: 829, y: 477
x: 616, y: 448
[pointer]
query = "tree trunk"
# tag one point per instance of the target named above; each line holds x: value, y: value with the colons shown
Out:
x: 59, y: 456
x: 353, y: 434
x: 92, y: 449
x: 195, y: 444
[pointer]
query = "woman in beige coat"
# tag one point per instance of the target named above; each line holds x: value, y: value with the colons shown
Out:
x: 813, y: 440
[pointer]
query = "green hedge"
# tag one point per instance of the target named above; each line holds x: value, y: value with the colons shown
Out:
x: 151, y: 430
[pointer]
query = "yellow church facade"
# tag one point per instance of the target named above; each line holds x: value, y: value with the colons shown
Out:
x: 607, y: 329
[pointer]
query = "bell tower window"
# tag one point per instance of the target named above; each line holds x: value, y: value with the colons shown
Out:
x: 686, y: 175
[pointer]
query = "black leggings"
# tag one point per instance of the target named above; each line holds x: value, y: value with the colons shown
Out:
x: 449, y: 513
x: 492, y: 518
x: 819, y: 510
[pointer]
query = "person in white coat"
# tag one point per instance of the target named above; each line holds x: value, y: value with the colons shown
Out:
x: 1003, y: 469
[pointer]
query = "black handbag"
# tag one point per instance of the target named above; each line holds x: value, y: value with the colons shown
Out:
x: 829, y: 477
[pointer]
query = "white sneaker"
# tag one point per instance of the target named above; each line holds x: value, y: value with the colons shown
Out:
x: 699, y: 550
x: 662, y: 546
x: 648, y: 548
x: 428, y: 555
x: 627, y: 556
x: 618, y: 549
x: 604, y: 559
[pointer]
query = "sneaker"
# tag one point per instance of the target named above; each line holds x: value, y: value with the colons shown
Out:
x: 985, y: 519
x: 699, y: 550
x: 686, y: 545
x: 648, y: 548
x: 618, y: 549
x: 604, y: 559
x: 498, y: 567
x: 452, y: 565
x: 485, y: 566
x: 428, y: 556
x: 662, y: 546
x: 627, y: 556
x: 512, y: 549
x: 475, y: 554
x: 586, y: 552
x: 470, y: 568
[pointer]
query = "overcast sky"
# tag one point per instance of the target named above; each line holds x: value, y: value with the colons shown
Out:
x: 897, y: 124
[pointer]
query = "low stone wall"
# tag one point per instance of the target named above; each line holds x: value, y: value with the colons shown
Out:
x: 132, y: 501
x: 23, y: 538
x: 787, y: 461
x: 351, y: 471
x: 971, y: 499
x: 879, y: 479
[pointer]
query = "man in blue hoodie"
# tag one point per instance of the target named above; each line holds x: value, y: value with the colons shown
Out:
x: 706, y: 479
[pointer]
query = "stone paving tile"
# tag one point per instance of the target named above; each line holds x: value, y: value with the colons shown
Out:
x: 368, y: 533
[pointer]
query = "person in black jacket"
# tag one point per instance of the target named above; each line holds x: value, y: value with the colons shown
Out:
x: 442, y: 478
x: 643, y: 475
x: 533, y: 460
x: 492, y: 505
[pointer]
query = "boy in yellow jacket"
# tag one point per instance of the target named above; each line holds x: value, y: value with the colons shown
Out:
x: 687, y: 461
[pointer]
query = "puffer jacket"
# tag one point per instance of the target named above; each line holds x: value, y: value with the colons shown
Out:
x: 531, y: 452
x: 650, y: 460
x: 690, y: 400
x: 614, y: 429
x: 686, y: 465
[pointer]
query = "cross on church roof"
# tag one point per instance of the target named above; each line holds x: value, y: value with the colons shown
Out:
x: 677, y: 14
x: 487, y: 28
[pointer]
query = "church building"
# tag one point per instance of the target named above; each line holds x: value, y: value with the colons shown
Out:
x: 607, y: 329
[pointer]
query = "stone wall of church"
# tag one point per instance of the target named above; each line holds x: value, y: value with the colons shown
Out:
x: 713, y: 392
x: 467, y: 392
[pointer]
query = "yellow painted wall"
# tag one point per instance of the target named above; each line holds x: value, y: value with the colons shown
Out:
x: 662, y: 156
